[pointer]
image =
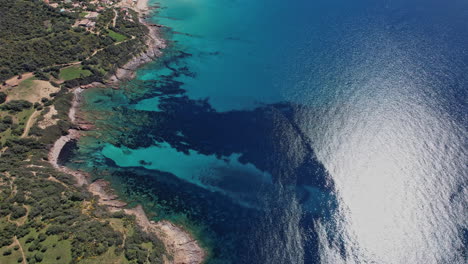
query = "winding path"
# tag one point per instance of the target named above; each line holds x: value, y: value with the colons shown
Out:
x: 29, y: 124
x: 16, y: 241
x: 114, y: 20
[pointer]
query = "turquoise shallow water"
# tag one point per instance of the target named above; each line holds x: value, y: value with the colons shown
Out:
x: 297, y: 132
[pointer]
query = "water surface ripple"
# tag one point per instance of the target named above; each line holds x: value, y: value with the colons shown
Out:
x: 298, y: 132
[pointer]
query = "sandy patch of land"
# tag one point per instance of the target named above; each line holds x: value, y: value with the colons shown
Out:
x: 14, y: 81
x: 30, y: 90
x: 142, y: 6
x: 48, y: 118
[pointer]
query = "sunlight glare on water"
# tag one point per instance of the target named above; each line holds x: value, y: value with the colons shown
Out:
x: 396, y: 158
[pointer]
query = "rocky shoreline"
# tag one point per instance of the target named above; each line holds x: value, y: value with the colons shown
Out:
x: 154, y: 45
x: 180, y: 244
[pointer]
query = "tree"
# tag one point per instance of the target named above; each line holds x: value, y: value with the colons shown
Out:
x: 17, y: 211
x: 3, y: 97
x: 39, y: 256
x: 7, y: 120
x: 42, y: 237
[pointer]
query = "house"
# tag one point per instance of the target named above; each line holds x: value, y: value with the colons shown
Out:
x: 83, y: 22
x: 86, y: 23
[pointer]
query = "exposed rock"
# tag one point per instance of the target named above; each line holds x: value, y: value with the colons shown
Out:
x: 154, y: 46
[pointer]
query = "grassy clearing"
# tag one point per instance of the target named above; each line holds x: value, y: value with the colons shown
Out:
x: 21, y: 91
x: 31, y: 90
x: 23, y: 116
x: 15, y: 254
x: 109, y: 257
x: 28, y: 83
x: 117, y: 36
x: 73, y: 72
x: 4, y: 136
x: 57, y: 251
x: 20, y: 119
x: 13, y: 257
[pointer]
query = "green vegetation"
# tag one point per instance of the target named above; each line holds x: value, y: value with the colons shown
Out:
x: 3, y: 97
x: 73, y: 72
x: 16, y: 106
x: 26, y: 84
x: 116, y: 36
x: 83, y: 14
x: 53, y: 221
x: 27, y: 44
x: 45, y: 38
x: 42, y: 214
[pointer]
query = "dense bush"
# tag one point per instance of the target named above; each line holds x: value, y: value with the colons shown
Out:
x: 29, y: 32
x: 16, y: 105
x: 6, y: 234
x: 7, y: 120
x: 3, y: 97
x: 27, y: 45
x: 55, y: 230
x: 17, y: 211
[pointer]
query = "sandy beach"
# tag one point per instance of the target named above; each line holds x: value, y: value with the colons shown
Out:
x: 180, y: 244
x: 80, y: 177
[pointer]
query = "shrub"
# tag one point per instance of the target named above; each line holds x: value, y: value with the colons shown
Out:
x: 41, y: 76
x: 7, y: 120
x: 3, y: 97
x: 16, y: 105
x: 42, y: 237
x: 44, y: 249
x: 17, y: 211
x: 39, y: 257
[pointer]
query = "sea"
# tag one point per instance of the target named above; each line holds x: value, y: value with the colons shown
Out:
x: 302, y: 131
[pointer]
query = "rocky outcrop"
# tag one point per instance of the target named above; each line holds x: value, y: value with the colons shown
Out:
x: 183, y: 248
x: 154, y: 45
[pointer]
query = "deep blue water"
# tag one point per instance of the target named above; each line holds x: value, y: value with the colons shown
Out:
x: 298, y: 131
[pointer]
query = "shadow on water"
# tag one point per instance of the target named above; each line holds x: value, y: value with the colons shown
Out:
x: 249, y: 217
x: 242, y: 217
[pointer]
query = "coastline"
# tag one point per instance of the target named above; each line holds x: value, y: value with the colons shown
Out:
x: 179, y: 243
x: 154, y: 45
